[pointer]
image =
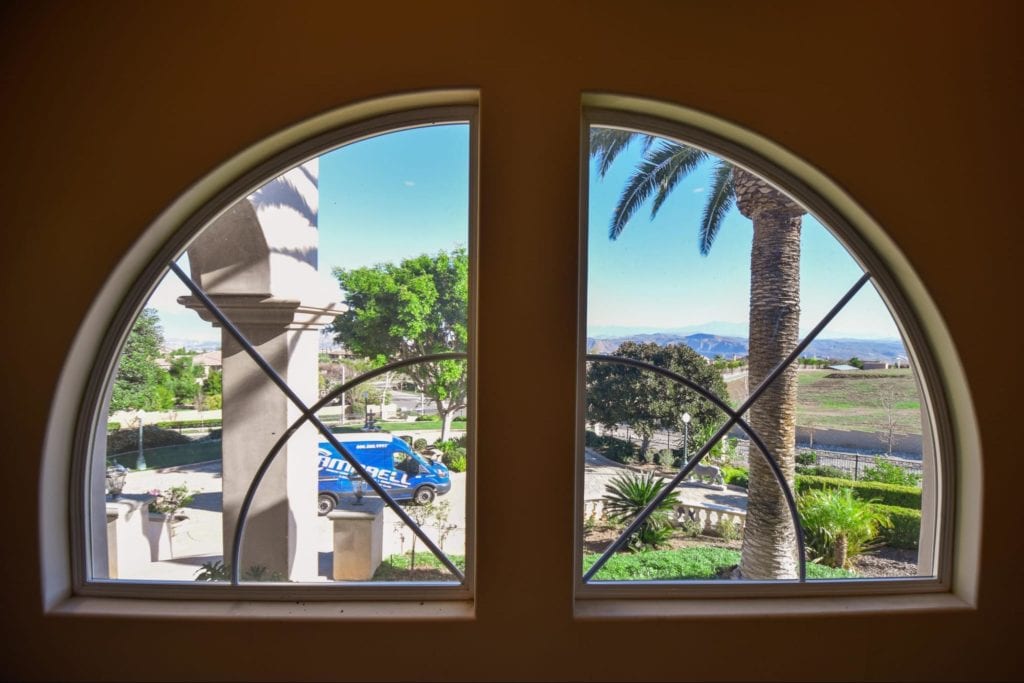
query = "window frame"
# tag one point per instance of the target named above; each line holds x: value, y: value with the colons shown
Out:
x: 810, y: 188
x: 174, y: 230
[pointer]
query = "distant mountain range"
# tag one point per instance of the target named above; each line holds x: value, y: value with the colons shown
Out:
x: 710, y: 345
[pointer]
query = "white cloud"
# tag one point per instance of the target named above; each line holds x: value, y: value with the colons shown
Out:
x: 408, y: 183
x: 698, y: 189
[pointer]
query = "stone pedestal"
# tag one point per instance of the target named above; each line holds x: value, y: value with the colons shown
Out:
x: 132, y: 542
x: 358, y: 539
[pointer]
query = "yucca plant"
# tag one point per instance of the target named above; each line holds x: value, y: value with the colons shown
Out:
x: 629, y: 493
x: 838, y: 526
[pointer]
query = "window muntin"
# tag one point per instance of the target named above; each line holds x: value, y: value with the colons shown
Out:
x: 362, y: 161
x: 613, y: 272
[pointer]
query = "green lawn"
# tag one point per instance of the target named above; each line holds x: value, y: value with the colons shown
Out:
x: 686, y: 563
x: 172, y: 456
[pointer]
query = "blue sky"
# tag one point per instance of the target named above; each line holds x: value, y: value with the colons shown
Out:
x: 653, y: 276
x: 406, y: 193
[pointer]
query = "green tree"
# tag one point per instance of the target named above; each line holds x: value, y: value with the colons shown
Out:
x: 184, y: 379
x: 141, y: 384
x: 769, y: 541
x: 617, y: 394
x: 410, y: 309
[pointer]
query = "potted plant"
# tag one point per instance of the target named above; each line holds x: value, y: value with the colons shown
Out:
x: 164, y: 509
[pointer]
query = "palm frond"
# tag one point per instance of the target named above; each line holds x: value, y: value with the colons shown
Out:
x: 607, y: 143
x: 684, y: 160
x: 720, y: 199
x: 646, y: 179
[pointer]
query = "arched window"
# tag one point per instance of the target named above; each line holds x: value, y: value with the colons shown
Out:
x: 282, y: 401
x: 757, y: 401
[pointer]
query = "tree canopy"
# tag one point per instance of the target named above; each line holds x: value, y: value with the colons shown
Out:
x: 141, y: 384
x: 618, y: 394
x: 409, y: 309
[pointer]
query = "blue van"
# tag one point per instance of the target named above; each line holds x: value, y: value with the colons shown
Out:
x: 400, y: 470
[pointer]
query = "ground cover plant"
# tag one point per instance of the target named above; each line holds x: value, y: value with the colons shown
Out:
x: 685, y: 564
x: 428, y: 568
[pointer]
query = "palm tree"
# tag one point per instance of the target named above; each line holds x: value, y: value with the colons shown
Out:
x: 838, y: 525
x: 769, y: 540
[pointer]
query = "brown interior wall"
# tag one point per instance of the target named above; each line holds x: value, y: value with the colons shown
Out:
x: 109, y: 110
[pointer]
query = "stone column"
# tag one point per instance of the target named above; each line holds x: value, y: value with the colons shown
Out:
x: 258, y: 263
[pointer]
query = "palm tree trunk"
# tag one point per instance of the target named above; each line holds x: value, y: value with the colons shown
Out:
x: 769, y: 540
x: 839, y: 557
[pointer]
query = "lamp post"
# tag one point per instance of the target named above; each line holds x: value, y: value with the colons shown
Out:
x: 140, y: 459
x: 686, y: 438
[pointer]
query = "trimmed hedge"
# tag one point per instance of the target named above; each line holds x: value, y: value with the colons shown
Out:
x: 884, y: 494
x: 184, y: 424
x: 906, y: 527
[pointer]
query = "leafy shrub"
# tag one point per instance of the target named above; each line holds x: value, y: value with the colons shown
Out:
x: 171, y: 499
x: 691, y: 527
x: 419, y: 445
x: 890, y: 473
x: 455, y: 459
x: 218, y: 571
x: 728, y: 529
x: 886, y: 494
x: 591, y: 439
x: 629, y: 493
x: 459, y: 418
x: 666, y: 458
x: 737, y: 476
x: 461, y: 440
x: 807, y: 458
x: 649, y: 456
x: 458, y: 463
x: 905, y: 531
x: 426, y: 418
x: 829, y: 471
x: 839, y: 526
x: 619, y: 450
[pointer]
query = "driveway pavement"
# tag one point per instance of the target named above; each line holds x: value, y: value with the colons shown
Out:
x: 199, y: 538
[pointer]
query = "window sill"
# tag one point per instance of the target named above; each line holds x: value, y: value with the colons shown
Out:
x: 447, y: 610
x: 617, y: 609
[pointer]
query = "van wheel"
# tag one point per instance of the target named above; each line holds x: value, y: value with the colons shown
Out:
x: 324, y: 504
x: 424, y: 495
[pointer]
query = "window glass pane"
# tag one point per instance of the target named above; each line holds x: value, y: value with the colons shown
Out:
x: 698, y: 267
x: 333, y: 270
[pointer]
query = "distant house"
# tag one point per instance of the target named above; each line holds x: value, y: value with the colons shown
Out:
x: 844, y: 368
x: 876, y: 365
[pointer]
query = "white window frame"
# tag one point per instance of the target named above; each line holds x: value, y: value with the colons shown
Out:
x: 946, y: 424
x: 96, y: 351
